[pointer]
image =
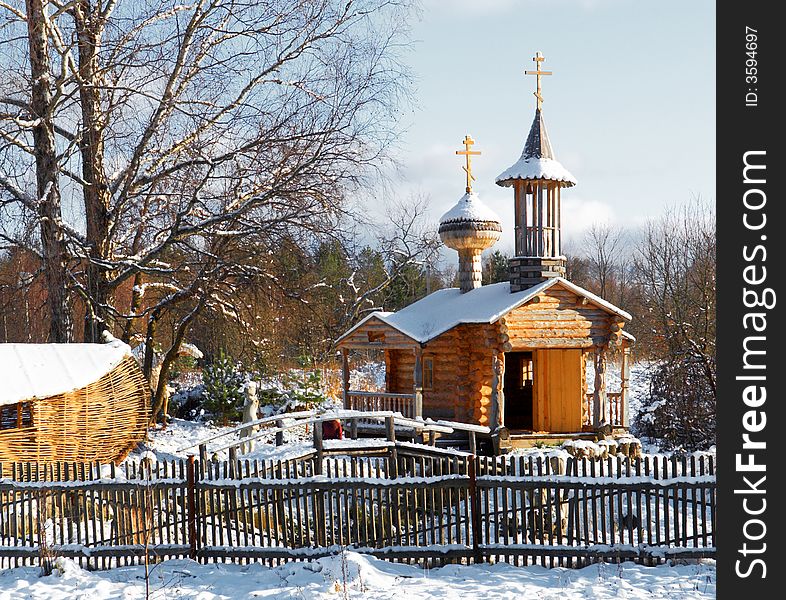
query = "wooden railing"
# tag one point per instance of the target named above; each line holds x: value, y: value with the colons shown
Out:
x: 382, y: 401
x: 615, y: 407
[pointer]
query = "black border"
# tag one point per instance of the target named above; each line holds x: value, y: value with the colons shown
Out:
x: 742, y: 128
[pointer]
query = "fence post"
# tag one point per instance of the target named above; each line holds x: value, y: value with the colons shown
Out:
x: 279, y: 434
x: 191, y: 501
x: 474, y: 497
x: 318, y: 445
x: 390, y: 430
x: 473, y: 443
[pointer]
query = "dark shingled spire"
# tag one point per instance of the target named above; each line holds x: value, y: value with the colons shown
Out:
x: 538, y: 145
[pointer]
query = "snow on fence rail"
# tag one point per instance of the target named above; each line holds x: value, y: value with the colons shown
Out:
x: 409, y: 507
x: 286, y: 421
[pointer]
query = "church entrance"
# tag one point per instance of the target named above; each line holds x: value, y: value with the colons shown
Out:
x: 518, y: 389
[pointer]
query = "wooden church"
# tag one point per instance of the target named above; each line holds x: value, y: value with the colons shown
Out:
x: 512, y: 356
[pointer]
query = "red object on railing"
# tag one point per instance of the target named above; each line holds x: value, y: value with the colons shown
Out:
x: 332, y: 430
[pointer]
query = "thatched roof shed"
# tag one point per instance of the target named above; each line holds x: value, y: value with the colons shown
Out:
x: 70, y: 402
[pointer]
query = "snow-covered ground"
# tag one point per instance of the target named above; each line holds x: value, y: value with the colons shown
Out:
x: 358, y: 576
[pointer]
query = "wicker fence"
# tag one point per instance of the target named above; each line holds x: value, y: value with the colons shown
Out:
x: 420, y: 509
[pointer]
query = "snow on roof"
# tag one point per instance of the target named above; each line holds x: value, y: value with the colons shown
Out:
x: 43, y: 370
x: 444, y: 309
x: 537, y: 160
x: 535, y: 168
x: 469, y: 208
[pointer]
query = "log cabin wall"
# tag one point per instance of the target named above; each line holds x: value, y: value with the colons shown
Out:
x: 560, y: 327
x: 400, y: 371
x: 556, y: 318
x: 463, y: 361
x: 376, y: 333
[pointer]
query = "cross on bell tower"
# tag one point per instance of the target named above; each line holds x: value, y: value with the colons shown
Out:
x: 537, y: 180
x: 539, y: 58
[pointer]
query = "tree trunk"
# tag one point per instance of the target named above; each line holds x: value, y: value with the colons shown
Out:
x: 161, y: 397
x: 55, y: 256
x: 96, y: 193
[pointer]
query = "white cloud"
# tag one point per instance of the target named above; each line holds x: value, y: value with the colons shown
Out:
x: 578, y: 215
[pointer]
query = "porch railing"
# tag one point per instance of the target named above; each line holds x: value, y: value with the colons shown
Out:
x: 375, y: 401
x: 615, y: 407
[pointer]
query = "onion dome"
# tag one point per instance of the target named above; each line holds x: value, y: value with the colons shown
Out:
x: 470, y: 218
x: 470, y: 227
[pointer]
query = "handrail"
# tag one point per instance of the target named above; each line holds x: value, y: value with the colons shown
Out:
x: 361, y: 394
x: 341, y: 415
x: 613, y: 408
x: 461, y: 426
x: 262, y: 421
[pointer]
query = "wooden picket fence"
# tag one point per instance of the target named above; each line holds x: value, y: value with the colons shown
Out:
x: 398, y: 505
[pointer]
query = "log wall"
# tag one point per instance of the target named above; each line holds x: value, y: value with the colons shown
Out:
x: 462, y: 359
x: 557, y: 318
x: 363, y: 337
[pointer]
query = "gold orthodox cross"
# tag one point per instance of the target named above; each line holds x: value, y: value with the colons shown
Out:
x: 468, y: 141
x: 539, y: 58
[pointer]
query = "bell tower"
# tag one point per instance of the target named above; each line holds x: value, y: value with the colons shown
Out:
x: 537, y: 180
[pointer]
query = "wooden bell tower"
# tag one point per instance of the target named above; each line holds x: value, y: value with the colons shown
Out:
x: 537, y: 180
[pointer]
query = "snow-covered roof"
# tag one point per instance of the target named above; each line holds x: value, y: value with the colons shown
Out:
x: 469, y: 208
x: 43, y: 370
x: 536, y: 168
x: 537, y: 160
x: 444, y: 309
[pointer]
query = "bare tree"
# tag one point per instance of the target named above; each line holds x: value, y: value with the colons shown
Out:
x: 605, y: 247
x: 178, y: 132
x: 406, y: 240
x: 675, y: 267
x: 36, y: 115
x: 676, y: 273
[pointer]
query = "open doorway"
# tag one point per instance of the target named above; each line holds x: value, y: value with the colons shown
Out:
x: 518, y: 389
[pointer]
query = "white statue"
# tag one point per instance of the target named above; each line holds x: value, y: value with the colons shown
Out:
x: 250, y: 410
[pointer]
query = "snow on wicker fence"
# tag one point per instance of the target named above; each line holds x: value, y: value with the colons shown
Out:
x: 412, y: 508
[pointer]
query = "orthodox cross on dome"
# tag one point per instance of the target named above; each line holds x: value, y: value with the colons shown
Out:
x: 467, y: 152
x: 539, y: 58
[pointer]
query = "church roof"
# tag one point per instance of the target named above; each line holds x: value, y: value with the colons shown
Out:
x: 537, y: 160
x: 469, y: 208
x: 442, y: 310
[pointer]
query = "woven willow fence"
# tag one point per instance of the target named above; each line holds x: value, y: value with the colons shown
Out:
x: 425, y: 510
x: 102, y: 421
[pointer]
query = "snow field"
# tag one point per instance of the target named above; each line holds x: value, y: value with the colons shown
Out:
x: 352, y: 575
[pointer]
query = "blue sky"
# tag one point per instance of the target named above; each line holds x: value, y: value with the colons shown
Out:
x: 630, y: 108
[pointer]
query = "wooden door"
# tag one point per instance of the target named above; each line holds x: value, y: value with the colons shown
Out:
x: 558, y: 390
